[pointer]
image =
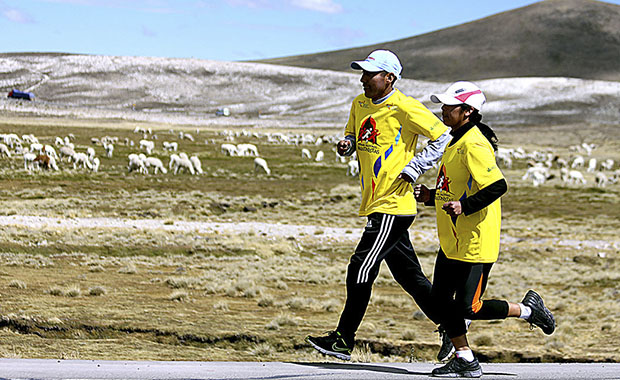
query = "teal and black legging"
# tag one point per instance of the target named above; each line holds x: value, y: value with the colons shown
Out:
x: 386, y: 237
x: 457, y: 292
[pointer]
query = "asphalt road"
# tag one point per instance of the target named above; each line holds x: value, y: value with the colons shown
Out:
x: 45, y: 369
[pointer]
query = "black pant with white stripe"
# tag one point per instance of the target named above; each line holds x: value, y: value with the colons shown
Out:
x: 386, y: 237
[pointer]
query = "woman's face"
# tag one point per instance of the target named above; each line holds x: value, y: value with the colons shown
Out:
x: 454, y: 116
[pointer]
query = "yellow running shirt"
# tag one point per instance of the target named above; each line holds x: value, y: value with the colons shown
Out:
x: 465, y: 168
x: 386, y: 135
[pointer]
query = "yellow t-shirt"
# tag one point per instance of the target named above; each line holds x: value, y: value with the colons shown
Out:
x: 386, y: 136
x: 465, y: 168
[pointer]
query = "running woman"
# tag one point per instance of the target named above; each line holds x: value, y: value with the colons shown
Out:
x: 467, y: 202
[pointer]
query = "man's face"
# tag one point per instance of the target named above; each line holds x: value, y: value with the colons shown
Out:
x: 376, y: 84
x: 454, y: 116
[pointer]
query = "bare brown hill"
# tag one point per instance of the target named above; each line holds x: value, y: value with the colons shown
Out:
x: 552, y: 38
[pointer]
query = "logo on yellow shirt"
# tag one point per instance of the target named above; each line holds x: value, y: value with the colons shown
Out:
x: 368, y: 131
x: 443, y: 182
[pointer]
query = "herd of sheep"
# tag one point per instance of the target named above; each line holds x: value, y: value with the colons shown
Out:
x: 541, y: 166
x: 544, y: 166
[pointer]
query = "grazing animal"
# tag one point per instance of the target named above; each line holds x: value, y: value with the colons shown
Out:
x: 572, y: 176
x: 155, y: 163
x: 197, y: 164
x: 229, y: 150
x: 81, y: 159
x: 591, y: 165
x: 109, y: 149
x: 608, y: 164
x: 136, y: 163
x: 247, y: 150
x: 601, y: 179
x: 46, y: 162
x: 353, y: 168
x: 319, y: 156
x: 4, y: 150
x: 261, y: 164
x: 66, y: 151
x: 29, y: 161
x: 171, y: 146
x: 305, y: 153
x: 578, y: 162
x: 147, y: 145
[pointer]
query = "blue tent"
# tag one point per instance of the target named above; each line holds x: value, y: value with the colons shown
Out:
x: 21, y: 95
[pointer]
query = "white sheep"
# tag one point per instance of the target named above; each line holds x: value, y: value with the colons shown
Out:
x: 607, y: 164
x: 260, y: 163
x: 353, y: 168
x: 66, y: 151
x: 90, y: 152
x: 50, y: 151
x: 247, y: 150
x: 156, y: 163
x: 183, y: 163
x: 95, y: 162
x: 173, y: 159
x: 305, y: 154
x: 228, y: 150
x: 591, y: 165
x: 572, y: 176
x: 29, y: 161
x: 81, y: 159
x: 197, y: 164
x: 4, y: 150
x: 538, y: 173
x: 578, y: 162
x: 147, y: 145
x: 109, y: 149
x: 171, y: 146
x: 319, y: 156
x: 601, y: 179
x: 36, y: 147
x: 136, y: 163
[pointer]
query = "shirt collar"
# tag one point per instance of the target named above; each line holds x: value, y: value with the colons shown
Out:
x: 456, y: 135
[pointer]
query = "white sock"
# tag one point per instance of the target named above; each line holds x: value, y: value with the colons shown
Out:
x: 468, y: 355
x: 526, y: 311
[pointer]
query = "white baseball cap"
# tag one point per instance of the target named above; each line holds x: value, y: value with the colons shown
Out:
x: 380, y: 60
x: 461, y: 93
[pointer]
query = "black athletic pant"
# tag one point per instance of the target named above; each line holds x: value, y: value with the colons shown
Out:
x: 457, y: 292
x: 385, y: 238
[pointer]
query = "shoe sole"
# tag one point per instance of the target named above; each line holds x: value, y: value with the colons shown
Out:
x: 537, y: 299
x: 335, y: 354
x: 468, y: 374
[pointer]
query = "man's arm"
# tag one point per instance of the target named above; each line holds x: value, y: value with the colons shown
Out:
x: 427, y: 157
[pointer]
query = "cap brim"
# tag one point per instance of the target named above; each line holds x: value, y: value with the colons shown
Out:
x: 445, y: 99
x: 365, y: 65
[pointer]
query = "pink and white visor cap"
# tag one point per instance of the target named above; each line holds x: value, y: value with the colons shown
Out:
x: 380, y: 60
x: 461, y: 93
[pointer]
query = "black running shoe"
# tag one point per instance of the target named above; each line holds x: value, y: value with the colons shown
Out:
x: 541, y: 316
x: 333, y: 344
x: 458, y: 367
x: 447, y: 348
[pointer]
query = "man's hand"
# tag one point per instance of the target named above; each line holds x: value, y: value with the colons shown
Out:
x: 421, y: 193
x: 452, y: 208
x: 343, y: 146
x: 405, y: 177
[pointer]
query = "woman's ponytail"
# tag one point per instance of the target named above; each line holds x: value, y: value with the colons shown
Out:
x: 476, y: 118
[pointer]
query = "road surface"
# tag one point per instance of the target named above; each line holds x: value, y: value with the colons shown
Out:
x: 45, y: 369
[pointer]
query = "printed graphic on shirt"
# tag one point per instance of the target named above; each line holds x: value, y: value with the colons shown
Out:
x: 368, y: 131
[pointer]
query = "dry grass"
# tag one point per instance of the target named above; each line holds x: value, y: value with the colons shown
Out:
x: 103, y: 293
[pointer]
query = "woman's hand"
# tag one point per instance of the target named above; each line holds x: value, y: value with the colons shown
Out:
x: 421, y: 193
x: 452, y: 208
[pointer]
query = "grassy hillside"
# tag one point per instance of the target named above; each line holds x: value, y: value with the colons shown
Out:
x: 567, y: 38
